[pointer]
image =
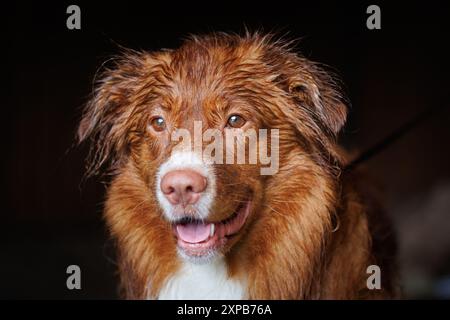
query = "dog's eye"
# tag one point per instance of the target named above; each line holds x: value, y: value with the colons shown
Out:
x: 235, y: 121
x: 158, y: 124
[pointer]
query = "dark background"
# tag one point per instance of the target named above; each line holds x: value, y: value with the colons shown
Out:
x: 51, y: 218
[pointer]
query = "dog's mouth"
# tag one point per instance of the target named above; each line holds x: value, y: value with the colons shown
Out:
x: 198, y: 238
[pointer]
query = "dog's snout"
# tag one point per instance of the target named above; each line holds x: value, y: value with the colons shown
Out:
x: 183, y: 186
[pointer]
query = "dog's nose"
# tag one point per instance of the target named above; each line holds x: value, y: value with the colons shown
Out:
x: 183, y: 186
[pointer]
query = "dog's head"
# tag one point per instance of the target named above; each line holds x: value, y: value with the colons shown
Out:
x: 173, y: 117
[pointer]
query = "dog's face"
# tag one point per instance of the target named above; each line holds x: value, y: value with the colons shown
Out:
x: 167, y: 117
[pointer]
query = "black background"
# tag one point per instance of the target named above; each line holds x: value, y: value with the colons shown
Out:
x: 51, y: 218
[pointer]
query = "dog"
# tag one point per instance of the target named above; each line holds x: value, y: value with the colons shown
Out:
x: 187, y: 228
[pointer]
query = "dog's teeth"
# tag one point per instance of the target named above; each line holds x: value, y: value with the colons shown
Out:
x: 211, y: 231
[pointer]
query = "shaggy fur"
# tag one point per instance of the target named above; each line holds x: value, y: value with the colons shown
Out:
x: 312, y: 231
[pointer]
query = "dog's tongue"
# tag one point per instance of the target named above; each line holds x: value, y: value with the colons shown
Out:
x: 193, y: 232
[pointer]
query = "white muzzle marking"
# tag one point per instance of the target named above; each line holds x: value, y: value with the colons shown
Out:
x: 187, y: 160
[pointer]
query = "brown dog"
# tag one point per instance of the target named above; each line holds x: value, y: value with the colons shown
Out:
x: 190, y: 228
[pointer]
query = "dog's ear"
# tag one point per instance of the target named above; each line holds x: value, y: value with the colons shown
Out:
x: 321, y: 99
x: 106, y: 118
x: 315, y: 91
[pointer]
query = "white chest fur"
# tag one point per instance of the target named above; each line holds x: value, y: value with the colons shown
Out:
x: 207, y: 281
